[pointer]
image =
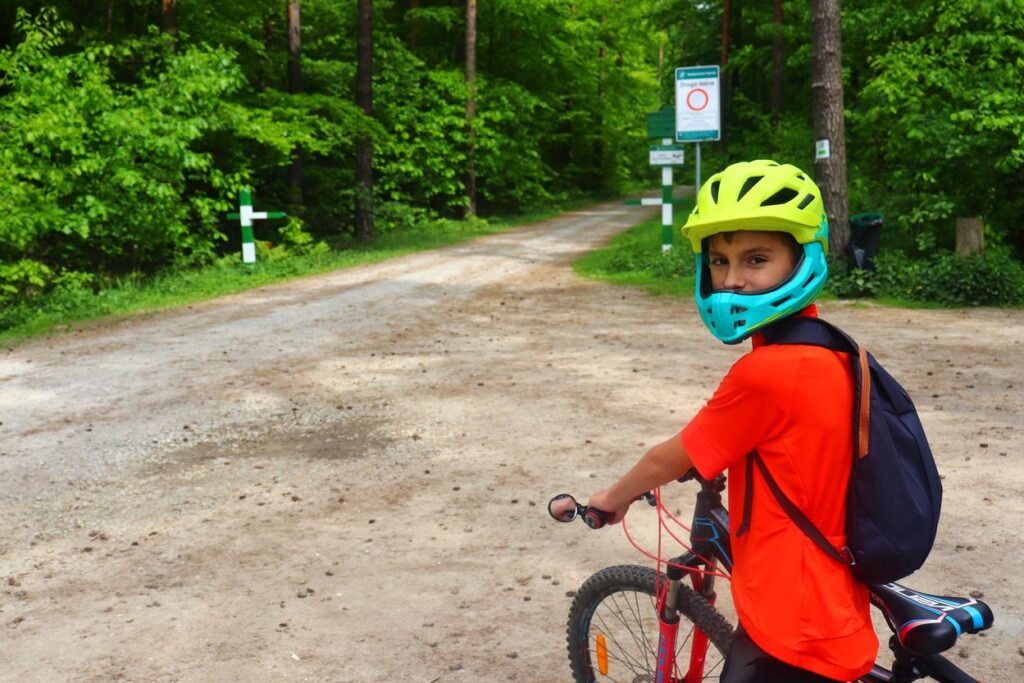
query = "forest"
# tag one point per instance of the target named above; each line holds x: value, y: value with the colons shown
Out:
x: 128, y: 127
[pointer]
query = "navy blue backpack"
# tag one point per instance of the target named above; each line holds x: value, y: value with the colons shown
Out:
x: 894, y: 496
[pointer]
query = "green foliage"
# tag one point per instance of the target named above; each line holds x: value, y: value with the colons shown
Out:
x: 423, y: 156
x: 979, y: 280
x: 114, y: 174
x: 123, y: 147
x: 635, y: 257
x: 640, y: 256
x: 97, y: 171
x: 78, y: 297
x: 990, y: 279
x: 941, y: 116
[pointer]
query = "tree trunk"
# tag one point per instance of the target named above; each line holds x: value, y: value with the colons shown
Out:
x: 970, y: 236
x: 169, y: 21
x: 827, y: 114
x: 471, y: 108
x: 602, y: 56
x: 413, y: 26
x: 169, y: 16
x: 110, y: 19
x: 777, y: 59
x: 723, y: 79
x: 294, y: 47
x: 269, y: 40
x: 295, y: 88
x: 726, y: 11
x: 364, y: 146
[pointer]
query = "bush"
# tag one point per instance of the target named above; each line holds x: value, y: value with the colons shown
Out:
x: 991, y: 279
x: 981, y: 280
x: 673, y: 264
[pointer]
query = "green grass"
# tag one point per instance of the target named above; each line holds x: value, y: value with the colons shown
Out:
x: 70, y: 308
x: 634, y: 258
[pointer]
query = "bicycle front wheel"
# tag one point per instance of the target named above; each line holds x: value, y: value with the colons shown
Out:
x: 613, y: 629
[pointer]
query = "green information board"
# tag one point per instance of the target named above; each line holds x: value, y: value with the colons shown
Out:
x: 662, y: 124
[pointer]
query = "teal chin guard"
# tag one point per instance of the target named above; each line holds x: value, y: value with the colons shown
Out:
x: 732, y: 316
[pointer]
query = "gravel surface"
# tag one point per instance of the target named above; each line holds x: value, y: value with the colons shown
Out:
x: 344, y: 478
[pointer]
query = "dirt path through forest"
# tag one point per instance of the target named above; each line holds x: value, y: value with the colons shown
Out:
x: 343, y: 478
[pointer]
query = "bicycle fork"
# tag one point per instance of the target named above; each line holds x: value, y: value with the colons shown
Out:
x: 668, y: 629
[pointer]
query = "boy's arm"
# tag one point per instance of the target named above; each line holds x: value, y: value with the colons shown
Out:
x: 663, y: 463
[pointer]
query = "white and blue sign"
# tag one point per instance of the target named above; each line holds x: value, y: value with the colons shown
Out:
x: 698, y: 110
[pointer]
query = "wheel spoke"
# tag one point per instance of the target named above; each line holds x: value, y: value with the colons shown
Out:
x: 619, y: 603
x: 611, y: 633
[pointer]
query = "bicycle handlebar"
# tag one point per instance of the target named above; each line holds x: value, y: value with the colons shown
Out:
x: 594, y: 518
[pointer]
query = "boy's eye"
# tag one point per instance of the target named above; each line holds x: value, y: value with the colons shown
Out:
x: 718, y: 261
x: 758, y: 260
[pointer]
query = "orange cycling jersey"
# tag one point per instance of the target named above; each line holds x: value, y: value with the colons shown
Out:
x: 794, y: 404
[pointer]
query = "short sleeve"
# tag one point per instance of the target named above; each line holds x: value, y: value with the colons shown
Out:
x: 750, y: 402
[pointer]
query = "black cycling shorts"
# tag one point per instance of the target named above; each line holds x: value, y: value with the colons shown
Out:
x: 747, y: 663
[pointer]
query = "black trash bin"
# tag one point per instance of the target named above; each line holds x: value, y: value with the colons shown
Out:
x: 865, y: 239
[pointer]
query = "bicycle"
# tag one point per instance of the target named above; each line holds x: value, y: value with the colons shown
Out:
x: 624, y: 621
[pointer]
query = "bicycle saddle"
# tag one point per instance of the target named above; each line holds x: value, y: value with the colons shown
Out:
x: 928, y: 624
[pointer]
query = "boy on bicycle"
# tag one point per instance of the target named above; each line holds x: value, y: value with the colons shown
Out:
x: 760, y: 232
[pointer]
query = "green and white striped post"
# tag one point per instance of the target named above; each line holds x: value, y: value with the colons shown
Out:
x: 665, y: 155
x: 246, y: 216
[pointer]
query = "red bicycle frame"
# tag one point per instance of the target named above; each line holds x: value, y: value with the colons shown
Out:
x: 668, y: 629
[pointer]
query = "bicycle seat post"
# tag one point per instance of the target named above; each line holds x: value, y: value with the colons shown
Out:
x: 904, y: 666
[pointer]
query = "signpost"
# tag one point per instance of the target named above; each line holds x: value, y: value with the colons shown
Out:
x: 667, y: 155
x: 246, y: 216
x: 661, y: 124
x: 698, y: 110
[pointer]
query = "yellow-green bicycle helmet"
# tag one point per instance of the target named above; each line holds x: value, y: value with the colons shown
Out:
x: 758, y: 195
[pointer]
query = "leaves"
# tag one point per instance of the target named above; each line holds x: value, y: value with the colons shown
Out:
x: 123, y: 147
x: 948, y: 109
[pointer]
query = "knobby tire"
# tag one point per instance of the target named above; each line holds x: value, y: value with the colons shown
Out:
x: 620, y: 603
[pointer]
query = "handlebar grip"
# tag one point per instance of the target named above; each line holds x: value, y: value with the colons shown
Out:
x: 595, y: 518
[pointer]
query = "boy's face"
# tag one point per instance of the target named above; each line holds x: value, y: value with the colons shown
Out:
x: 749, y: 260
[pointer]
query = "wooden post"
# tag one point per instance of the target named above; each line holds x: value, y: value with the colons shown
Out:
x: 970, y: 236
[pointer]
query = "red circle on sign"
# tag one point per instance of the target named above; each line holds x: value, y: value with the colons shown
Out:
x: 689, y: 102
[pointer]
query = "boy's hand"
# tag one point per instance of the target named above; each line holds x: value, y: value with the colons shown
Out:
x: 603, y: 500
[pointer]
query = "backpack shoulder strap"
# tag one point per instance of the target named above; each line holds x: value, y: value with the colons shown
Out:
x: 808, y: 330
x: 794, y: 513
x: 818, y: 332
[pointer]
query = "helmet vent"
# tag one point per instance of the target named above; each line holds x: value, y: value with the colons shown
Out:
x: 747, y: 184
x: 714, y: 191
x: 805, y: 202
x: 783, y: 196
x: 781, y: 301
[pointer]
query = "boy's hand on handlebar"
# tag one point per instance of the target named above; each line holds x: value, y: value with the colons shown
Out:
x: 603, y: 501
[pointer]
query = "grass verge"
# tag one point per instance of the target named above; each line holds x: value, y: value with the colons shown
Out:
x: 635, y: 258
x: 71, y: 307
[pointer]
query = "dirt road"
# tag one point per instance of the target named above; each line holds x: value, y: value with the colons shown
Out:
x: 344, y: 478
